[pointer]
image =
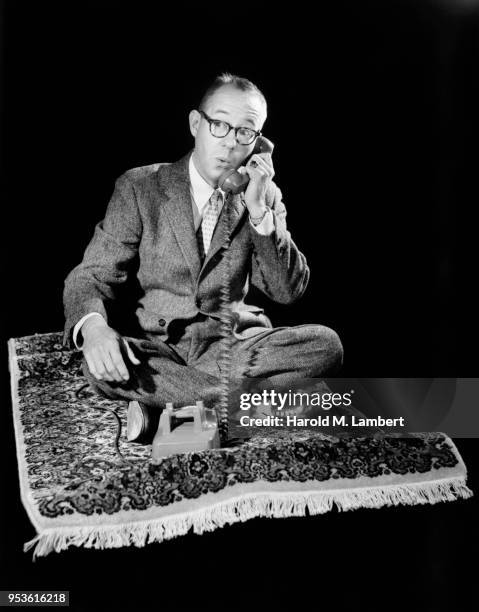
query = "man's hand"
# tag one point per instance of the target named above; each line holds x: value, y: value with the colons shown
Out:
x: 103, y: 348
x: 260, y: 171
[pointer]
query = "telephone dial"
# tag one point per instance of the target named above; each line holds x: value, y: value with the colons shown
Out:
x: 235, y: 182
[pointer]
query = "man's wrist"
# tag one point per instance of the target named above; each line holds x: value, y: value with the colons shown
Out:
x: 77, y: 336
x: 92, y: 322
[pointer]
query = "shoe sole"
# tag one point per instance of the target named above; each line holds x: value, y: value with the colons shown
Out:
x: 136, y: 422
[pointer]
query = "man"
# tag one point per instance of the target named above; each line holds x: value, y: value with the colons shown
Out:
x: 164, y: 239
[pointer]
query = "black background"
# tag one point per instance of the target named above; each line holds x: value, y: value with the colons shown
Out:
x: 373, y: 110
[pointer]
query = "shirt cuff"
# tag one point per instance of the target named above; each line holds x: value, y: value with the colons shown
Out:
x: 78, y: 326
x: 266, y: 227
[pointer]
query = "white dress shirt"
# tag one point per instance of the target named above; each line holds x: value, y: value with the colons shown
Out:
x: 200, y: 192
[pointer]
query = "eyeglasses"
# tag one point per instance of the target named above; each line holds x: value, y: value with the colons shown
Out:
x: 220, y: 129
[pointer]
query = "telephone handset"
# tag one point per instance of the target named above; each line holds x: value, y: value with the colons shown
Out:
x: 235, y: 182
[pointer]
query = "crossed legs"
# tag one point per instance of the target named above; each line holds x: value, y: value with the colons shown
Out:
x: 191, y: 369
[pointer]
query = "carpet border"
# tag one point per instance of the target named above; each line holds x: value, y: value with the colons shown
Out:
x: 19, y: 437
x: 243, y: 508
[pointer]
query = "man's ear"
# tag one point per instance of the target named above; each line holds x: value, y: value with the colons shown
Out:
x: 195, y: 118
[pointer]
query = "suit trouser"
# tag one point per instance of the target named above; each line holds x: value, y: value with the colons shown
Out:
x: 189, y: 368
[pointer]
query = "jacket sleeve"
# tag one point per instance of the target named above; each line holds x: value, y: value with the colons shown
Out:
x: 91, y: 285
x: 278, y: 267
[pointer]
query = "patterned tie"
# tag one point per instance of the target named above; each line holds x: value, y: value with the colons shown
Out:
x: 210, y: 217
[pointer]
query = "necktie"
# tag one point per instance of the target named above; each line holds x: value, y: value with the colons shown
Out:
x: 210, y: 217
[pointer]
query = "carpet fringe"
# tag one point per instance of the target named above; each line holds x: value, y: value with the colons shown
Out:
x: 274, y: 504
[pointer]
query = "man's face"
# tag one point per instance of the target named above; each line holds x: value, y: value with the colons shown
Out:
x: 213, y: 156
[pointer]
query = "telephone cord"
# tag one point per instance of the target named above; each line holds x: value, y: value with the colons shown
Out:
x: 112, y: 411
x: 226, y: 333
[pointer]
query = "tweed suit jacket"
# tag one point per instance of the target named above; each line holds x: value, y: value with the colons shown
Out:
x: 148, y: 236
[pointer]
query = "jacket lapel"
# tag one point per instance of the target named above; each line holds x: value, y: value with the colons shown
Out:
x: 178, y: 209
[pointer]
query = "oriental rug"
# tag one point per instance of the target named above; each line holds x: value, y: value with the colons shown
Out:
x: 84, y: 485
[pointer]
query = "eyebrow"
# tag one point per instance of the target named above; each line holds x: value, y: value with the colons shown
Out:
x: 222, y: 112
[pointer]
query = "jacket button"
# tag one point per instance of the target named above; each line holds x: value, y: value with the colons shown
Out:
x: 162, y: 322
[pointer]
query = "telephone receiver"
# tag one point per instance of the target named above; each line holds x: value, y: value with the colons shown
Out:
x: 233, y: 181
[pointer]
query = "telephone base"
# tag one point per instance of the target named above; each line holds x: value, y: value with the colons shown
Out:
x: 189, y: 436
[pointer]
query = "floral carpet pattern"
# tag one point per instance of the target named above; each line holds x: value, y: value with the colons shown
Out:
x: 82, y: 484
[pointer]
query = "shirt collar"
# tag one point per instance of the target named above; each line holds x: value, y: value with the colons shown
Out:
x: 200, y: 189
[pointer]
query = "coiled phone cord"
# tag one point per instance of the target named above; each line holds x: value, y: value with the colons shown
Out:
x: 232, y: 182
x: 225, y: 330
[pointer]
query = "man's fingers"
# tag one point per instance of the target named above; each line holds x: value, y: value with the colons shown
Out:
x: 110, y: 366
x: 103, y: 351
x: 259, y: 163
x: 130, y: 354
x: 254, y: 170
x: 267, y: 157
x: 99, y: 369
x: 91, y: 365
x: 260, y: 160
x: 119, y: 364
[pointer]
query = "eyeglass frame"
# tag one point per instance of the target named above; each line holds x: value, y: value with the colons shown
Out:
x: 231, y: 127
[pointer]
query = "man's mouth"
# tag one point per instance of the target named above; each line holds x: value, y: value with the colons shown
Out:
x: 223, y: 161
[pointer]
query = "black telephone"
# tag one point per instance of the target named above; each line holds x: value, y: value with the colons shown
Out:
x: 235, y: 182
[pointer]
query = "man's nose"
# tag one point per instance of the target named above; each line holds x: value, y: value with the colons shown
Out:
x: 230, y: 140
